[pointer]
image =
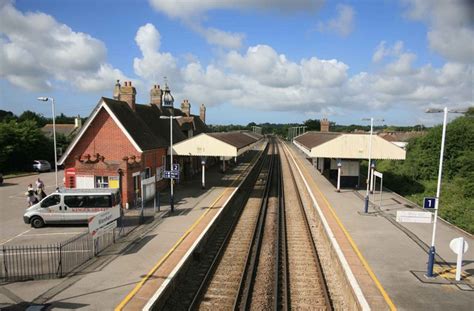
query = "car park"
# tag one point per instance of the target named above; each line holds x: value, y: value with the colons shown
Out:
x: 71, y: 206
x: 41, y: 166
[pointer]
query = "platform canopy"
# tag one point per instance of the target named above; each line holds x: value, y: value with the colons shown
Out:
x: 222, y: 144
x: 347, y: 146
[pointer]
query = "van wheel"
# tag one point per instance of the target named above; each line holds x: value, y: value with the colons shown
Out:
x: 37, y: 222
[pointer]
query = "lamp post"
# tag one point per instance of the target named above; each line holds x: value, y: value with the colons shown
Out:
x: 366, y: 201
x: 432, y: 250
x: 45, y: 99
x: 168, y: 101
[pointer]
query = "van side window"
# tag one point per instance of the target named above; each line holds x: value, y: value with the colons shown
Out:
x: 51, y: 200
x: 99, y: 201
x: 74, y: 200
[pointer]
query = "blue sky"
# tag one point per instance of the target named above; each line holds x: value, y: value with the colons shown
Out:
x: 261, y: 61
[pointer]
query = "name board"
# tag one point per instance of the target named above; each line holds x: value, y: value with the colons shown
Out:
x: 414, y: 217
x: 102, y: 219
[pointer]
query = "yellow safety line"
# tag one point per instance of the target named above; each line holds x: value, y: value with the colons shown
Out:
x: 356, y: 249
x: 130, y: 295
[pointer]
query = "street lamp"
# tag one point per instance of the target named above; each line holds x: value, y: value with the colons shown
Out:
x: 45, y: 99
x: 432, y: 250
x: 366, y: 201
x: 168, y: 101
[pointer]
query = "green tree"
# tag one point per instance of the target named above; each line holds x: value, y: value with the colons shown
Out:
x: 20, y: 144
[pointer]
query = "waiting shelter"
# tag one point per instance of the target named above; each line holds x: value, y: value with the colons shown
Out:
x: 223, y: 145
x: 338, y: 155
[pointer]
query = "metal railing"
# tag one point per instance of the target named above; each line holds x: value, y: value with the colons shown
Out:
x: 27, y: 262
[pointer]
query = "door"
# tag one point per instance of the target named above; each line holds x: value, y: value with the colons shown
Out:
x: 52, y: 209
x: 76, y: 208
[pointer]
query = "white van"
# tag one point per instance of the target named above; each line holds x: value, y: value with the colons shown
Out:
x: 73, y: 206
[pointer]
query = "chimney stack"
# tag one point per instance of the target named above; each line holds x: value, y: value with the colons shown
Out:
x: 324, y: 125
x: 186, y: 107
x: 202, y: 113
x: 117, y: 90
x: 155, y: 96
x: 78, y: 122
x: 128, y: 93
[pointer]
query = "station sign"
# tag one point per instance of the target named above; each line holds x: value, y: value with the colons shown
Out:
x: 101, y: 220
x: 414, y: 217
x: 171, y: 174
x: 429, y: 203
x: 176, y: 167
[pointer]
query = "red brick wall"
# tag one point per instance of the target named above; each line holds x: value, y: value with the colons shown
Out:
x: 105, y: 137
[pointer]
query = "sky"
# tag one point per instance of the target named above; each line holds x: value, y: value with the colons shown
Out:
x: 278, y: 61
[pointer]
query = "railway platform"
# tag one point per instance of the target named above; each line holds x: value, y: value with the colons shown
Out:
x: 395, y: 254
x: 126, y: 274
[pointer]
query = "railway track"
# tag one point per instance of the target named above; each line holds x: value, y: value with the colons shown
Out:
x: 267, y: 260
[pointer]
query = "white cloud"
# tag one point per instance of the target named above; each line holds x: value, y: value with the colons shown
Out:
x: 342, y: 24
x: 154, y: 65
x: 189, y: 8
x: 36, y: 50
x: 218, y: 37
x: 191, y: 13
x: 451, y: 26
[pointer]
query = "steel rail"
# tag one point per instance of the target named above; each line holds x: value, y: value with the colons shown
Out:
x: 244, y: 295
x: 282, y: 289
x: 210, y: 272
x: 322, y: 279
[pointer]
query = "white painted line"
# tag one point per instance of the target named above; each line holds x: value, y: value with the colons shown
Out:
x: 16, y: 236
x: 345, y: 265
x: 54, y: 233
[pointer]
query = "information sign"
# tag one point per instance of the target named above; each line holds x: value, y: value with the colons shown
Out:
x: 171, y: 174
x: 429, y: 203
x: 415, y: 217
x: 176, y: 167
x: 102, y: 219
x: 101, y: 231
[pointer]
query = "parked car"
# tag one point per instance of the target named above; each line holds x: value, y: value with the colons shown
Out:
x: 41, y: 166
x: 1, y: 178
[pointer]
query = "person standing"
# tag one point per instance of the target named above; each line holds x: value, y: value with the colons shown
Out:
x: 40, y: 189
x: 30, y: 195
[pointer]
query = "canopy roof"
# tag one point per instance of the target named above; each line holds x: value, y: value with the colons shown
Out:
x: 347, y: 146
x: 222, y: 144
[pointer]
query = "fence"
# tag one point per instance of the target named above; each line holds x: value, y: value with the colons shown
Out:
x: 27, y: 262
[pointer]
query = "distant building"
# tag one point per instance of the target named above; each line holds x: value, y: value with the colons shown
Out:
x: 400, y: 138
x: 121, y: 135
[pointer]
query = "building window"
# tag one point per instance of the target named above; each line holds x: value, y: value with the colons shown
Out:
x: 147, y: 172
x: 101, y: 181
x: 163, y: 161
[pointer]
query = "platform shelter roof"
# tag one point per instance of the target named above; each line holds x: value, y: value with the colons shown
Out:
x: 347, y: 146
x: 221, y: 144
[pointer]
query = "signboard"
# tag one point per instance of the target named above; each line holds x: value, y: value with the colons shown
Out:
x: 176, y: 167
x: 429, y: 203
x: 415, y: 217
x: 455, y: 245
x: 171, y: 174
x: 378, y: 174
x: 102, y: 219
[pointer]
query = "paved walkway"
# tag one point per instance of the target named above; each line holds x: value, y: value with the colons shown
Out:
x: 397, y: 253
x: 105, y: 281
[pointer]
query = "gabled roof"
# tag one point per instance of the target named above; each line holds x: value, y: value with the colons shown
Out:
x: 236, y: 139
x: 223, y: 144
x: 347, y: 146
x: 143, y: 127
x: 64, y: 129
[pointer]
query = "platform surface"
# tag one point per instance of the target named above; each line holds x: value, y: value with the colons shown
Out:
x: 397, y: 252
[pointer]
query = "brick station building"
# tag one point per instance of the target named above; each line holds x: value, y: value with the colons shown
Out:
x: 124, y: 142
